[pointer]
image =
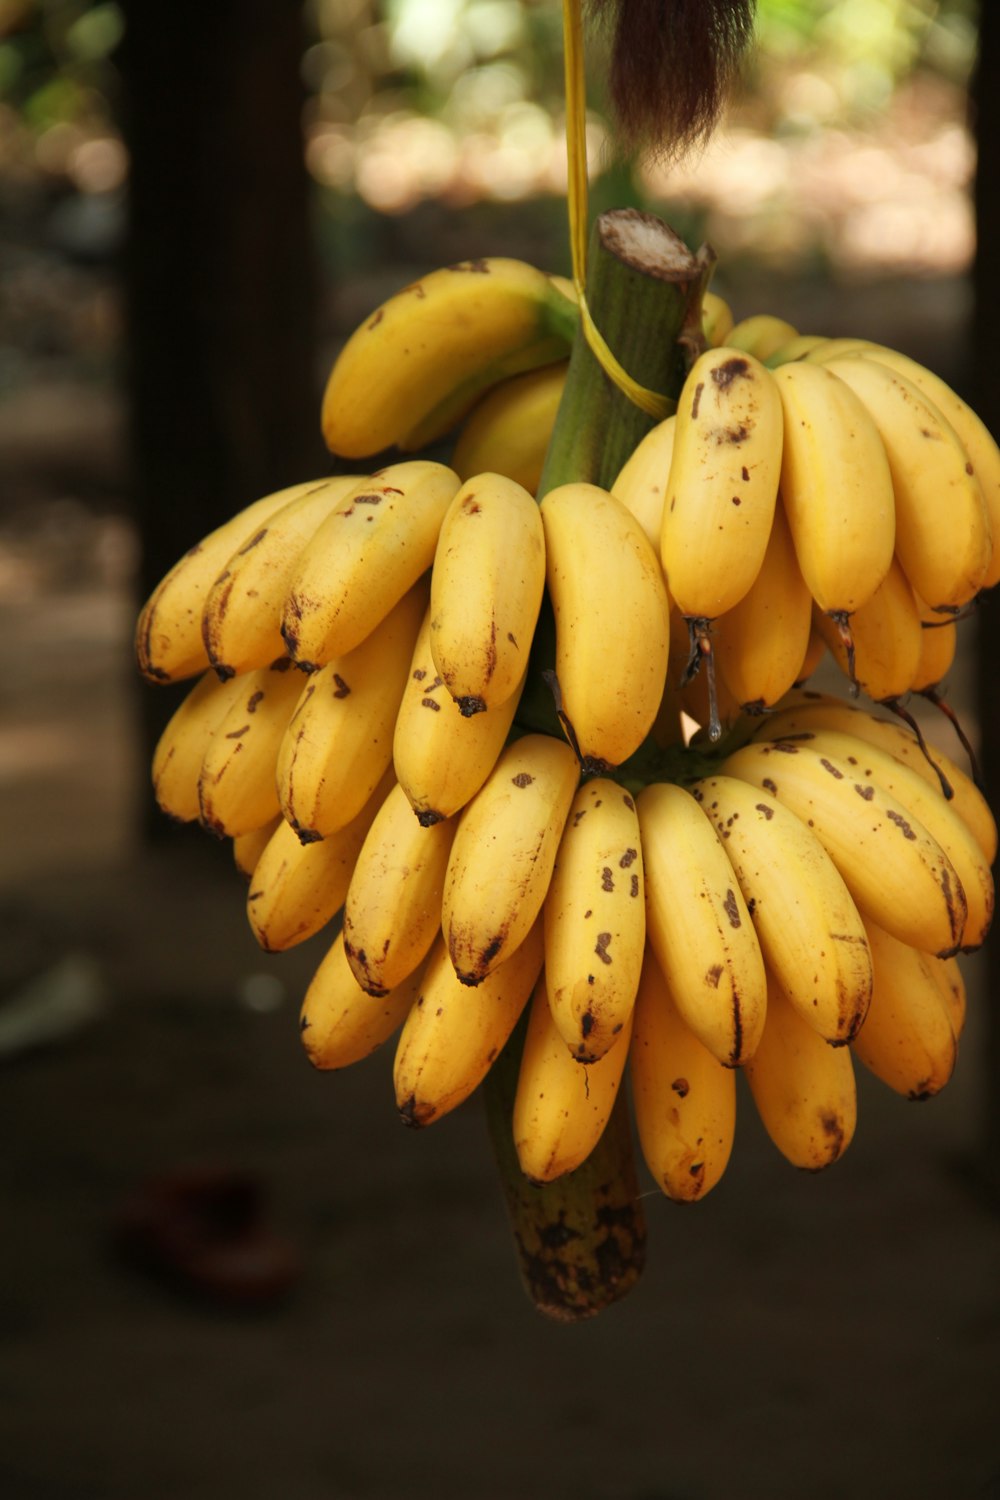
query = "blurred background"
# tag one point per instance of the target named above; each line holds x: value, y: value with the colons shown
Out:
x: 197, y: 205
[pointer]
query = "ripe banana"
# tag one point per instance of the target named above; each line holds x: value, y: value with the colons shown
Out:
x: 870, y: 766
x: 441, y: 757
x: 241, y: 619
x: 248, y: 847
x: 451, y: 1037
x: 340, y: 1024
x: 392, y: 913
x: 837, y: 488
x: 641, y: 485
x: 943, y: 535
x: 168, y: 640
x: 952, y: 986
x: 882, y: 655
x: 803, y: 346
x: 684, y: 1099
x: 907, y: 1040
x: 897, y: 873
x: 297, y: 888
x: 595, y: 921
x: 809, y: 929
x: 364, y: 557
x: 974, y: 435
x: 418, y: 365
x: 803, y: 1088
x: 503, y: 854
x: 236, y: 788
x: 486, y: 590
x: 338, y: 743
x: 811, y: 710
x: 508, y: 432
x: 761, y: 335
x: 723, y: 482
x: 716, y: 319
x: 938, y: 645
x: 561, y: 1106
x: 612, y: 621
x: 759, y: 645
x: 180, y: 750
x: 698, y: 924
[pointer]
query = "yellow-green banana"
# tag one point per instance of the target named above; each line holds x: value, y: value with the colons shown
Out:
x: 509, y: 431
x: 503, y: 854
x: 595, y: 920
x: 762, y: 335
x: 392, y: 913
x: 419, y: 363
x: 612, y: 621
x: 486, y: 590
x: 698, y: 924
x: 716, y: 318
x: 561, y: 1106
x: 338, y: 743
x: 683, y: 1097
x: 363, y: 558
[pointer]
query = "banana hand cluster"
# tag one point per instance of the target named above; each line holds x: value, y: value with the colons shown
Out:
x: 368, y: 653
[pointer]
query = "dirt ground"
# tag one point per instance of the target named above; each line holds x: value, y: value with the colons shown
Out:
x: 834, y: 1337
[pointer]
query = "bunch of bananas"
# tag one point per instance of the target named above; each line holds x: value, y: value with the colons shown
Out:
x: 370, y: 650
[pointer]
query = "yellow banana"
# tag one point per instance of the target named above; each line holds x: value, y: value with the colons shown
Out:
x: 241, y: 619
x: 882, y: 654
x: 503, y: 854
x: 716, y: 318
x: 907, y: 1040
x: 297, y: 888
x: 943, y: 536
x: 938, y: 645
x: 236, y: 786
x: 338, y: 743
x: 392, y: 913
x: 803, y: 1088
x: 811, y: 710
x: 340, y: 1023
x: 948, y: 974
x: 975, y: 436
x: 508, y: 432
x: 897, y: 873
x: 561, y: 1106
x: 802, y: 346
x: 595, y: 920
x: 168, y: 639
x: 441, y: 757
x: 641, y: 485
x: 180, y: 750
x: 683, y: 1097
x: 837, y: 488
x: 698, y: 924
x: 420, y: 362
x: 809, y: 929
x: 612, y: 621
x: 486, y: 590
x: 759, y: 645
x: 815, y: 652
x: 723, y: 482
x: 248, y: 847
x: 869, y: 766
x: 451, y: 1037
x: 762, y: 335
x: 364, y: 557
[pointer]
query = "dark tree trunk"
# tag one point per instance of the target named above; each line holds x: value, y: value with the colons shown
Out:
x: 985, y: 396
x: 220, y: 283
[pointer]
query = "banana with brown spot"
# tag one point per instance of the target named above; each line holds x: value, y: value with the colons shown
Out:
x: 908, y: 1040
x: 595, y: 920
x: 810, y: 931
x: 886, y: 639
x: 561, y: 1105
x: 612, y: 621
x: 184, y: 741
x: 698, y: 924
x: 236, y: 786
x: 340, y: 1023
x: 363, y: 558
x: 452, y: 1037
x: 503, y: 854
x: 487, y: 584
x: 804, y: 1090
x: 683, y: 1097
x: 896, y: 872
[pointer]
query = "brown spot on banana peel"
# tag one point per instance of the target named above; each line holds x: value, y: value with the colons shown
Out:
x: 414, y: 1114
x: 468, y: 705
x: 731, y: 909
x: 729, y: 371
x: 601, y: 947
